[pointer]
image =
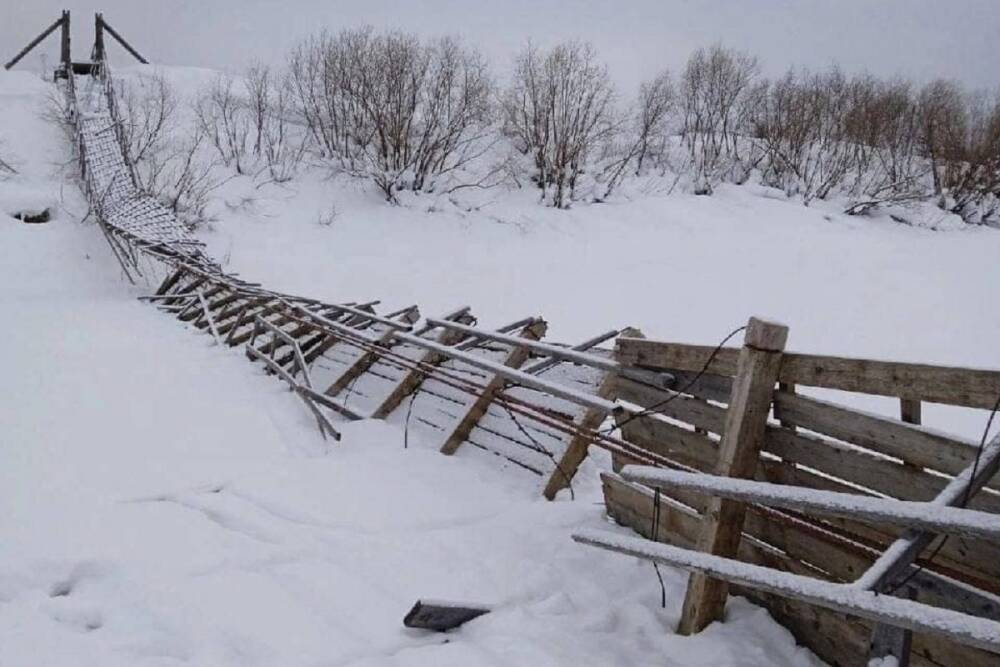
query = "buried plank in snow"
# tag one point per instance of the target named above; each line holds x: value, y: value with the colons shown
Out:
x: 440, y: 616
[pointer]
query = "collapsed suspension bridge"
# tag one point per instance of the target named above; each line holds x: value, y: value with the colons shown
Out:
x: 828, y: 527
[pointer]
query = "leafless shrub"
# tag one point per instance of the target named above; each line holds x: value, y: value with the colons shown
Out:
x: 171, y: 162
x: 148, y: 107
x: 967, y: 157
x: 716, y: 101
x: 222, y: 116
x: 558, y: 110
x: 269, y: 106
x: 410, y: 115
x: 321, y: 74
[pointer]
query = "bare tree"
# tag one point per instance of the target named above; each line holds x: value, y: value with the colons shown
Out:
x: 148, y: 107
x: 646, y: 134
x: 559, y: 109
x: 221, y: 115
x: 715, y: 86
x: 269, y: 106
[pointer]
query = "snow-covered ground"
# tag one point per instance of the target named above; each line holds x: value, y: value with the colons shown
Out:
x: 163, y: 502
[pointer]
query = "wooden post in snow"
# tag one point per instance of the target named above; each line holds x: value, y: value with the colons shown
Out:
x: 515, y: 358
x: 746, y: 420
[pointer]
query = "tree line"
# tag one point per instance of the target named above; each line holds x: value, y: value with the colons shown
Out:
x: 429, y: 115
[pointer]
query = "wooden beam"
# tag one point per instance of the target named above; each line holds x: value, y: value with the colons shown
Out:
x: 576, y: 450
x: 368, y: 357
x: 969, y: 387
x: 888, y: 511
x: 515, y: 358
x: 414, y: 377
x: 555, y: 351
x: 36, y: 41
x: 588, y: 421
x: 963, y: 628
x: 121, y: 40
x: 746, y: 420
x: 911, y: 443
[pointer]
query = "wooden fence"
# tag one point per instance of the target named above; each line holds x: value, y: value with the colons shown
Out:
x: 839, y: 452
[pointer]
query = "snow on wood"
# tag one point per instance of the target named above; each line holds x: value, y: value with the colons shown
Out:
x: 925, y: 516
x: 963, y: 628
x: 519, y: 377
x: 568, y: 354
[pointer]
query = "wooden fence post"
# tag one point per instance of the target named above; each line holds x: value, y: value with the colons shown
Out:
x: 746, y: 420
x: 515, y: 358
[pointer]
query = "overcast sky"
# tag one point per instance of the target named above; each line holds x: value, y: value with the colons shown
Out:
x: 921, y: 39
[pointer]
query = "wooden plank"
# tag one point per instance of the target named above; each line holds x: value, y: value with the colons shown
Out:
x: 515, y: 358
x: 414, y: 377
x: 863, y: 468
x: 910, y: 443
x: 696, y: 412
x: 36, y: 41
x: 969, y: 387
x: 963, y: 628
x: 746, y: 420
x: 886, y: 511
x: 368, y: 357
x: 834, y: 637
x: 576, y: 450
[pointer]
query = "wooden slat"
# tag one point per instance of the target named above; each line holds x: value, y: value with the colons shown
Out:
x: 910, y: 443
x: 969, y: 387
x: 576, y: 449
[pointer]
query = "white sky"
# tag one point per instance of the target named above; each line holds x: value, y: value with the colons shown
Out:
x: 921, y: 39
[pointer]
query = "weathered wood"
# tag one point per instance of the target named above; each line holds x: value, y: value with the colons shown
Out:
x: 970, y: 630
x: 36, y: 41
x: 746, y: 420
x: 515, y: 358
x: 368, y: 357
x: 863, y: 468
x: 121, y: 40
x: 899, y: 513
x: 555, y: 351
x: 836, y: 638
x: 969, y: 387
x: 65, y: 50
x: 664, y: 402
x: 414, y: 377
x: 909, y: 411
x: 576, y: 450
x: 910, y: 443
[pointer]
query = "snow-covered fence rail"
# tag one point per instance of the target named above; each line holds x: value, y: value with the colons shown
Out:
x: 837, y: 490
